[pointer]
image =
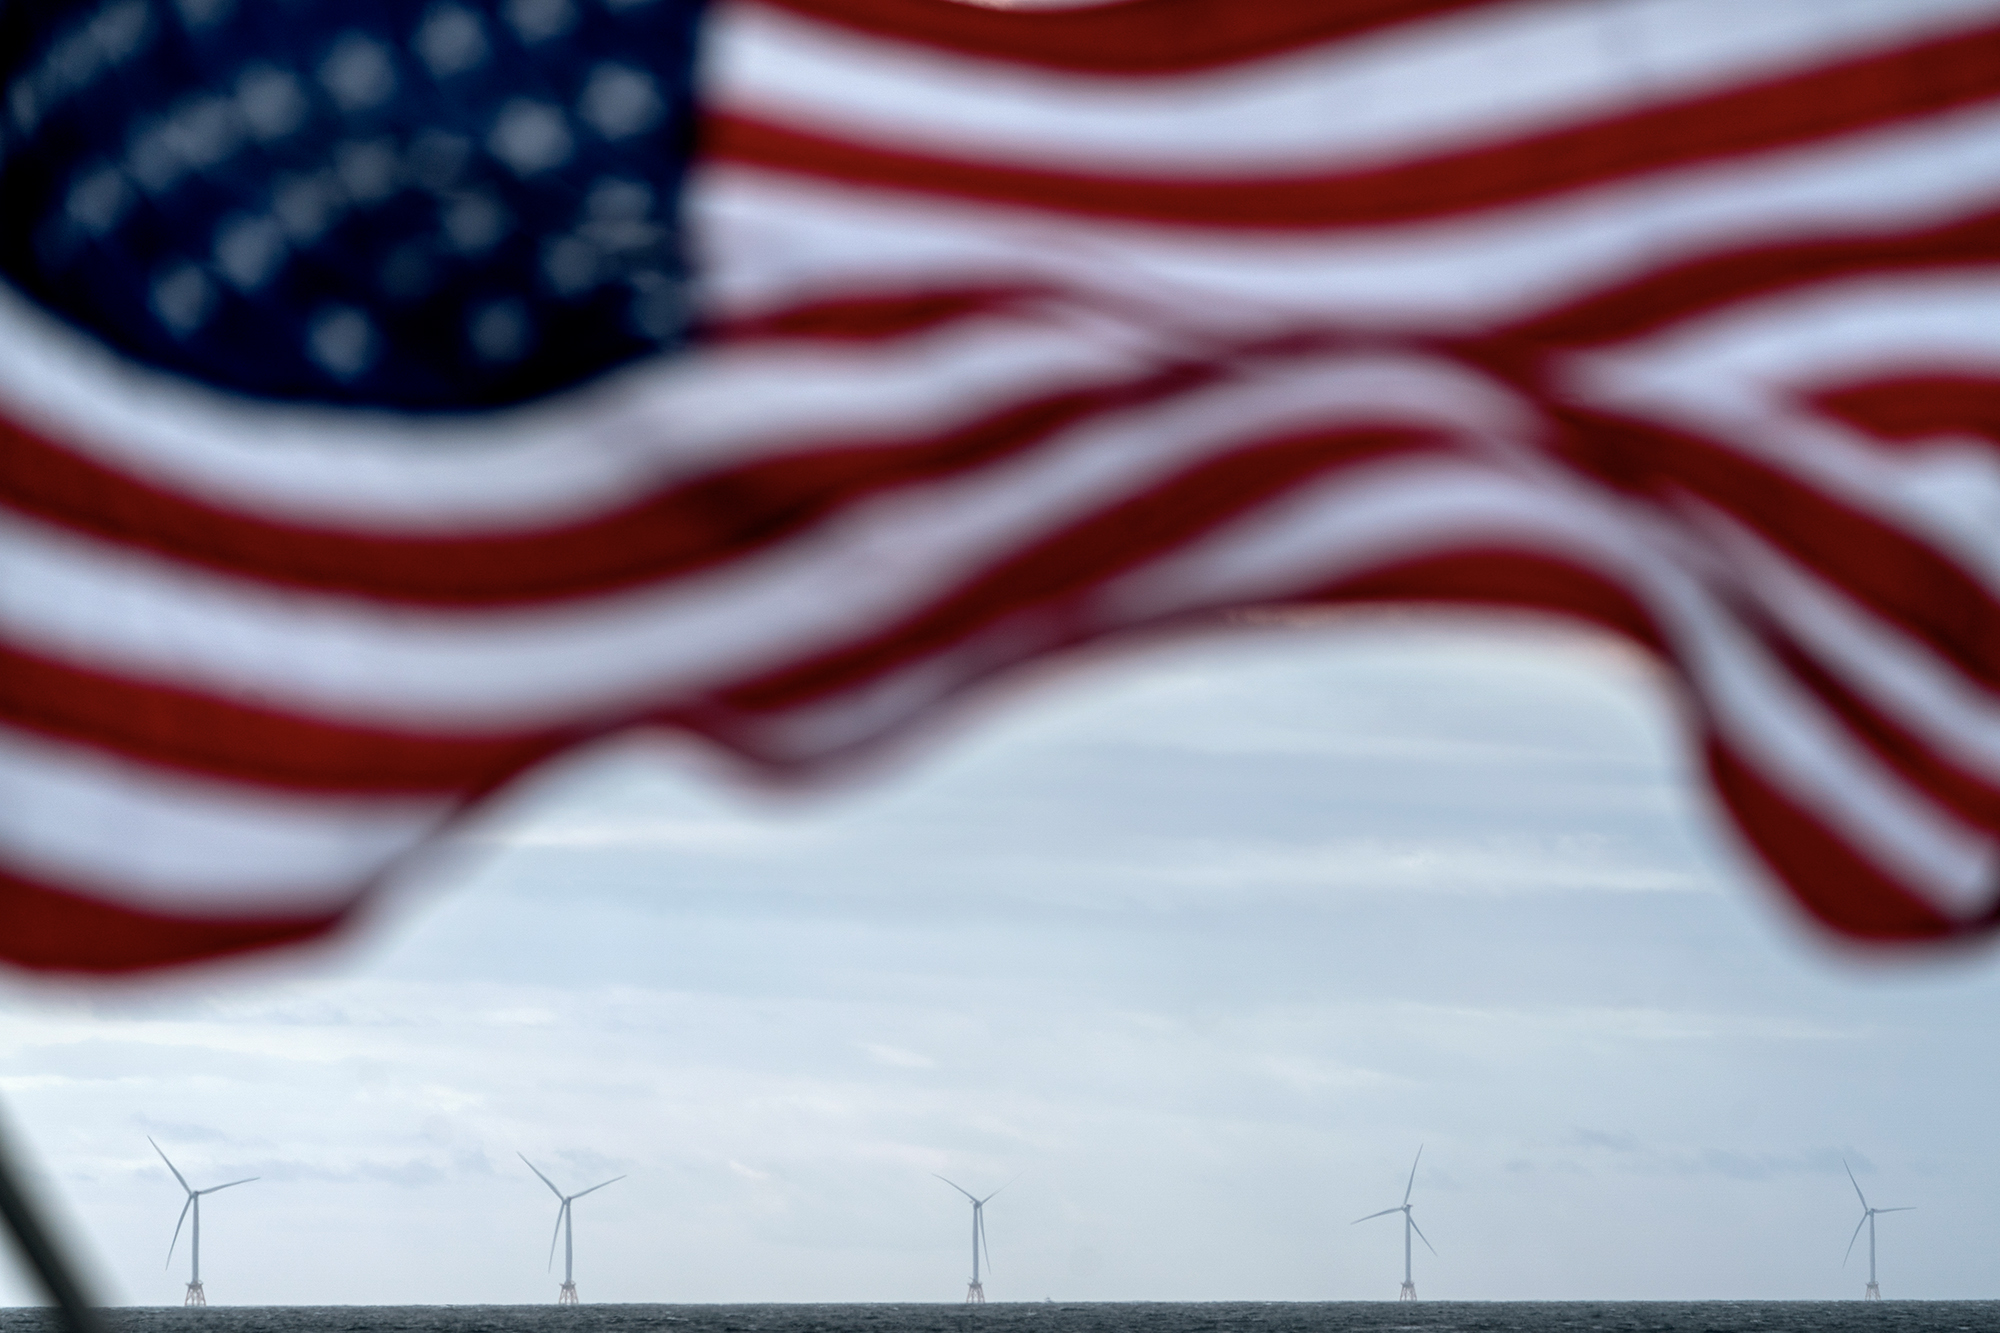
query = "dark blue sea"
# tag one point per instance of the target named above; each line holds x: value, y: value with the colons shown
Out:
x: 1216, y: 1317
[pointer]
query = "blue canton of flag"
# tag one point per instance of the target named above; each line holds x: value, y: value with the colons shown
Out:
x: 453, y: 206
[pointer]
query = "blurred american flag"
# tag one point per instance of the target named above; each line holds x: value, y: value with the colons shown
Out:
x: 396, y: 394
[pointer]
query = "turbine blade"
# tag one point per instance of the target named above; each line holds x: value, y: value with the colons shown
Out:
x: 170, y: 1166
x: 594, y: 1188
x: 1852, y: 1181
x: 1422, y: 1237
x: 556, y: 1235
x: 961, y: 1189
x: 1911, y: 1209
x: 177, y: 1229
x: 1384, y: 1213
x: 1851, y: 1239
x: 538, y: 1171
x: 1413, y: 1174
x: 231, y: 1185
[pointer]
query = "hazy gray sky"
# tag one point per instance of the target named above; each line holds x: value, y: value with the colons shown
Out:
x: 1201, y: 944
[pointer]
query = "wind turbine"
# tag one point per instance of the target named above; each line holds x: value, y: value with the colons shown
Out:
x: 567, y: 1296
x: 976, y: 1294
x: 1868, y: 1215
x: 195, y: 1295
x: 1409, y: 1292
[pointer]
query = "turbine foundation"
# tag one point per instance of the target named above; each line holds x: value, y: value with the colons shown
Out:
x: 567, y: 1296
x: 1408, y: 1293
x: 975, y: 1294
x: 1874, y: 1293
x: 195, y: 1296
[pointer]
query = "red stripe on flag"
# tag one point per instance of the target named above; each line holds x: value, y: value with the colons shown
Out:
x: 1490, y: 576
x: 176, y: 728
x: 51, y: 929
x: 1136, y: 37
x: 873, y: 315
x: 1949, y: 784
x: 1910, y: 409
x: 1841, y: 888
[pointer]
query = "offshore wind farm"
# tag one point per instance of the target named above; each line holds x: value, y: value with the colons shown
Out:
x: 563, y: 1236
x: 1081, y: 1317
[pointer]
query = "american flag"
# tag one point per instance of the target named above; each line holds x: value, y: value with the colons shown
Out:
x: 396, y: 394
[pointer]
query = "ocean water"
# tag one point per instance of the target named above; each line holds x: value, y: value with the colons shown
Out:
x: 1165, y: 1317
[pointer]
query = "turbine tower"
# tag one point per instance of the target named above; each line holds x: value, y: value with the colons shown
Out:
x: 195, y: 1295
x: 1868, y: 1215
x: 1409, y: 1292
x: 975, y: 1294
x: 567, y: 1296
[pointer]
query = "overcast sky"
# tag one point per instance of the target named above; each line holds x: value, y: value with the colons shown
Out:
x: 1194, y: 947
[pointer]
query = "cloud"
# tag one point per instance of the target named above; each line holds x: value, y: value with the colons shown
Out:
x: 408, y: 1173
x: 1306, y: 1072
x: 1557, y: 864
x: 1624, y: 1144
x: 896, y: 1056
x: 583, y: 834
x: 1647, y: 1024
x: 1735, y: 1164
x: 180, y: 1131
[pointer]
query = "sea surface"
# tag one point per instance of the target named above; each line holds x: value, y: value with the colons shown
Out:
x: 1165, y: 1317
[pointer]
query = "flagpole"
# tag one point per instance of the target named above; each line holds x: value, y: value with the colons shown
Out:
x: 37, y: 1244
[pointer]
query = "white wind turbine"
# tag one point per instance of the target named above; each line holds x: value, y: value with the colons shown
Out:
x: 567, y: 1296
x: 1868, y: 1215
x: 195, y: 1295
x: 1409, y: 1292
x: 975, y: 1294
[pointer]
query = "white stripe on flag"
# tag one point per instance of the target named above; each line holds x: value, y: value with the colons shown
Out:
x: 148, y: 836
